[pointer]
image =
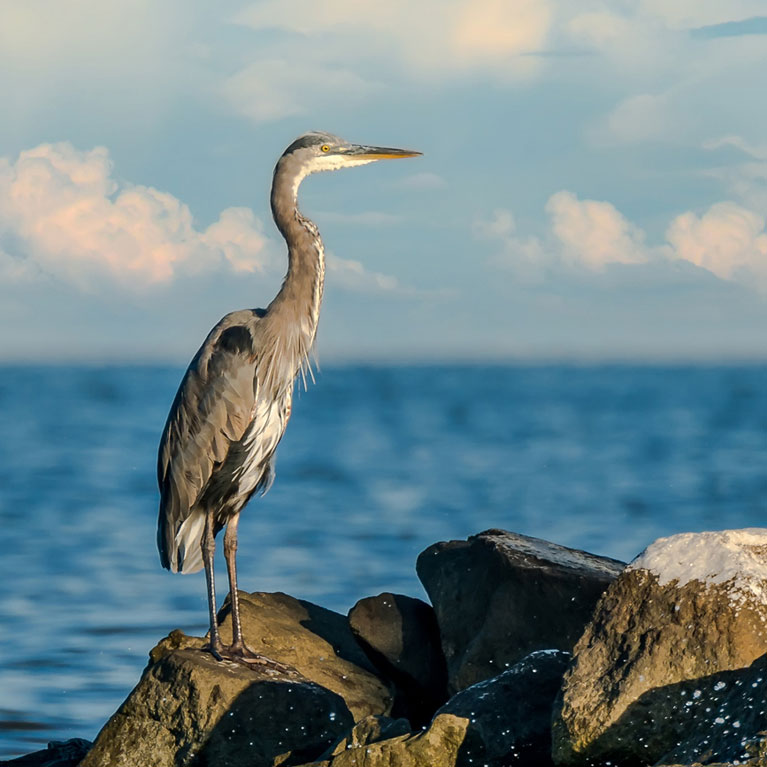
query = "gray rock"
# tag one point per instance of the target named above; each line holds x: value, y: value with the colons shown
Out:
x: 670, y: 668
x: 400, y: 636
x: 500, y: 596
x: 509, y: 715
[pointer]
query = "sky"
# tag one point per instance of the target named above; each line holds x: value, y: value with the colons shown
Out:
x: 593, y: 182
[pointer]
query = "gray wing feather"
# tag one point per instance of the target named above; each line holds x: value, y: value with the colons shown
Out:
x: 212, y: 409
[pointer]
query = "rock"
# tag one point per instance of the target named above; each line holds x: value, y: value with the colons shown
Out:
x: 317, y: 642
x: 400, y: 636
x: 723, y: 719
x: 371, y: 729
x: 670, y: 666
x: 60, y: 753
x: 500, y: 596
x: 190, y: 709
x: 500, y: 722
x: 436, y: 747
x: 510, y: 715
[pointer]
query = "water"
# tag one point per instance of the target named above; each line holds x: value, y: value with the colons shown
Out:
x: 377, y: 464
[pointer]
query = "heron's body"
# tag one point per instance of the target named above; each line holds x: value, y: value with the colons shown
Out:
x: 234, y: 401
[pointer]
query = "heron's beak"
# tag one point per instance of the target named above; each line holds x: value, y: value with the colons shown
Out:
x: 379, y: 152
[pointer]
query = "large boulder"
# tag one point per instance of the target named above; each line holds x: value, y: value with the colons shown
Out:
x: 191, y: 709
x: 317, y: 642
x: 400, y: 636
x: 670, y: 667
x: 500, y: 596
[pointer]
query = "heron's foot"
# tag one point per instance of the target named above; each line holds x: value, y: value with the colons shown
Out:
x: 239, y: 652
x: 215, y: 648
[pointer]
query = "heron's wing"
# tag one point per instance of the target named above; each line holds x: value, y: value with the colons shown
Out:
x: 212, y: 409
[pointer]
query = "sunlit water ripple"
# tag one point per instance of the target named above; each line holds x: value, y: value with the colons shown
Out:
x: 378, y: 463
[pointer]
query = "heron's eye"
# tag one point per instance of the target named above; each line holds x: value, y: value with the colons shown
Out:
x: 325, y: 148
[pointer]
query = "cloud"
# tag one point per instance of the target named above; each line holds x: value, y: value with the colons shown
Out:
x: 746, y: 179
x: 643, y: 117
x: 424, y: 180
x: 64, y: 216
x: 314, y: 53
x: 352, y: 275
x: 757, y: 151
x: 594, y: 234
x: 63, y: 213
x: 688, y: 14
x: 587, y: 237
x: 368, y: 218
x: 525, y: 256
x: 270, y: 89
x: 728, y: 240
x: 432, y: 37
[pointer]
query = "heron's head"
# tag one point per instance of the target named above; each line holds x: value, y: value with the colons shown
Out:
x: 318, y: 151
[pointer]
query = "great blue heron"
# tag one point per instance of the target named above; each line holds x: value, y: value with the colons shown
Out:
x: 234, y: 402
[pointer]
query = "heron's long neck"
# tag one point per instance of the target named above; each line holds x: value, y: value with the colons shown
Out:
x: 299, y: 299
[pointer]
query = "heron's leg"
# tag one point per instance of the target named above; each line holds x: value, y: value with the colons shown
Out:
x: 230, y: 554
x: 208, y: 550
x: 239, y: 651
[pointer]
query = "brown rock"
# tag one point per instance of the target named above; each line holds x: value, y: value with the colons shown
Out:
x: 438, y: 746
x: 317, y: 642
x: 371, y: 729
x: 670, y: 667
x: 189, y: 709
x: 400, y: 636
x: 500, y: 596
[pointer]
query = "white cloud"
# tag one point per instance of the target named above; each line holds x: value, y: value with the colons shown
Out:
x: 352, y: 275
x: 727, y: 240
x: 583, y: 234
x: 432, y: 37
x: 525, y: 256
x: 329, y: 43
x: 65, y: 215
x: 593, y: 233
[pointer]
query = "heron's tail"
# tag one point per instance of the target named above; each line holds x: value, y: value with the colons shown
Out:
x: 180, y: 546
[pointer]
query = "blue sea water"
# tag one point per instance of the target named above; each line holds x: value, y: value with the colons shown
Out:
x: 378, y: 463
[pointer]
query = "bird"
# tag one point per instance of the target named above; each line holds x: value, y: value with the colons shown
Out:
x: 234, y: 401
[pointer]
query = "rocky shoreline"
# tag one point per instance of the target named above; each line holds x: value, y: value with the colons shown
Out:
x: 530, y: 654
